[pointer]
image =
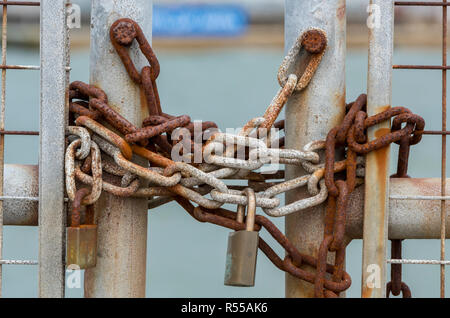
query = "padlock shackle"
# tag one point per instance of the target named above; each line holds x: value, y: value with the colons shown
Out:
x: 240, y: 213
x: 75, y: 219
x: 251, y: 210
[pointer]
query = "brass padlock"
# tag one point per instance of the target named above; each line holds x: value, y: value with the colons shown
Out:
x: 82, y: 239
x: 243, y: 248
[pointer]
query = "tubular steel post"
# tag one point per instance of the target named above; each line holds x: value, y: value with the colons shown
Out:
x: 2, y: 127
x: 54, y: 83
x: 122, y: 223
x: 311, y: 114
x: 379, y: 97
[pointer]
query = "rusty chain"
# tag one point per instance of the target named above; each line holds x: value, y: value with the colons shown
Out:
x: 396, y: 286
x: 96, y: 151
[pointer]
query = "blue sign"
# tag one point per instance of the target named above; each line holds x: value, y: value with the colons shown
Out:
x: 199, y: 20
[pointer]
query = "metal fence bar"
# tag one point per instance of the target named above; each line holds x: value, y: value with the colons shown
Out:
x: 20, y: 67
x: 122, y: 222
x: 418, y: 197
x: 311, y: 114
x: 20, y: 3
x: 422, y: 3
x: 418, y: 262
x: 379, y: 98
x: 2, y: 127
x: 18, y: 262
x: 52, y: 219
x: 444, y: 67
x: 444, y: 144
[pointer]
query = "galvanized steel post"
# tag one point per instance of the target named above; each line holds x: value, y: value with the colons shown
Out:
x: 379, y: 97
x: 122, y: 223
x: 54, y: 84
x: 312, y: 113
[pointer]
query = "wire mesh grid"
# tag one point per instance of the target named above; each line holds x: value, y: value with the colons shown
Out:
x: 45, y: 283
x: 4, y: 67
x: 443, y: 133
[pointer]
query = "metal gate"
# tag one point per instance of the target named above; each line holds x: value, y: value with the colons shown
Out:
x: 23, y: 209
x: 395, y: 209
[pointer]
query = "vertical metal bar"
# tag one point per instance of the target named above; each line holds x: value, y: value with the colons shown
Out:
x: 376, y: 207
x: 2, y: 127
x: 312, y: 113
x: 52, y: 219
x: 122, y: 223
x: 444, y: 146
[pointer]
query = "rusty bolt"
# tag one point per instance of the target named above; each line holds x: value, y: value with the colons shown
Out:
x: 124, y: 32
x: 314, y: 41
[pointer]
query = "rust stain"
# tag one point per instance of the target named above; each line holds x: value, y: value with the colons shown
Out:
x: 382, y: 159
x: 144, y: 103
x: 381, y: 132
x: 340, y: 100
x: 381, y: 109
x: 366, y: 292
x: 340, y: 103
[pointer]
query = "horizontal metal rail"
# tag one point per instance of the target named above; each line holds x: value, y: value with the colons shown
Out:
x: 18, y: 262
x: 20, y: 67
x: 436, y: 132
x: 25, y: 67
x: 419, y: 197
x: 421, y: 67
x: 4, y: 198
x: 417, y: 262
x: 19, y: 133
x: 421, y: 3
x: 20, y: 3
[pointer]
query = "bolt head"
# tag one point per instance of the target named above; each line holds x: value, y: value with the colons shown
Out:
x: 124, y: 33
x: 314, y: 41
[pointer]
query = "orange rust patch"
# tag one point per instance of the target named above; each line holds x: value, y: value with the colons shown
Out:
x: 340, y: 100
x: 381, y: 132
x: 382, y: 158
x: 340, y: 103
x: 382, y: 108
x: 366, y: 292
x: 144, y: 106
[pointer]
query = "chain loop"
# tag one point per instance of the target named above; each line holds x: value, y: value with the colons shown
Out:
x: 226, y: 156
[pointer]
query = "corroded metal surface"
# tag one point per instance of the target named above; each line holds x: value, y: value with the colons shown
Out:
x: 54, y: 106
x: 121, y: 267
x: 408, y: 219
x: 21, y: 181
x: 311, y: 114
x: 376, y: 212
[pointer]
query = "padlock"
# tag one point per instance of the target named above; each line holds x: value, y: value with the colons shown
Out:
x: 243, y: 248
x: 82, y: 239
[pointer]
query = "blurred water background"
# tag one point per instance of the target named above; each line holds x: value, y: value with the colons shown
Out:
x: 228, y: 84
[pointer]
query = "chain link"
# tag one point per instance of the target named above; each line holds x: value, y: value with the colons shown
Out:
x: 226, y: 156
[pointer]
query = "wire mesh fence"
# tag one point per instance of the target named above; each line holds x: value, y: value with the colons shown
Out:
x: 47, y: 289
x: 5, y: 67
x: 443, y: 133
